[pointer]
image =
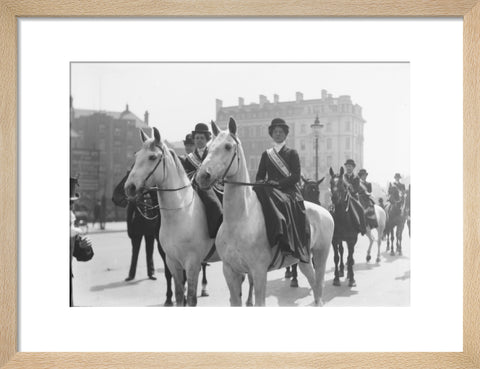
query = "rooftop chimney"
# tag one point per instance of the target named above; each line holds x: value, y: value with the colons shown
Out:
x: 126, y: 108
x: 146, y: 117
x: 324, y: 94
x: 218, y: 105
x: 241, y: 101
x: 276, y: 98
x: 299, y: 96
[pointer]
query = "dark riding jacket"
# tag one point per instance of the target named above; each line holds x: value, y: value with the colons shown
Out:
x: 353, y: 182
x: 267, y: 171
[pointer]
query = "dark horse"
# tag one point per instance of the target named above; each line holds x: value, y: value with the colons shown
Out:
x: 396, y: 217
x: 345, y: 228
x: 310, y: 192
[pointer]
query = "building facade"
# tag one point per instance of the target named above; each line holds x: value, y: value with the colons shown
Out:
x: 341, y: 137
x: 102, y: 148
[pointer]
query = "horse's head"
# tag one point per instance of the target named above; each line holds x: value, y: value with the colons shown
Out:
x: 338, y: 188
x: 311, y: 189
x: 222, y: 160
x: 144, y: 172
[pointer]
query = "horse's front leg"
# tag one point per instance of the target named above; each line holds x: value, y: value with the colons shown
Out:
x: 260, y: 286
x: 234, y: 282
x: 294, y: 281
x: 193, y: 271
x: 168, y: 275
x: 370, y: 239
x: 350, y: 262
x: 399, y: 239
x: 250, y: 291
x: 178, y: 279
x: 342, y: 266
x: 392, y: 239
x: 336, y: 259
x: 204, y: 280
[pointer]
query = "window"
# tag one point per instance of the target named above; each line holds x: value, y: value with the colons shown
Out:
x: 302, y: 144
x: 329, y: 127
x: 347, y: 126
x: 347, y: 143
x: 333, y: 108
x: 329, y: 143
x: 329, y: 160
x: 302, y: 128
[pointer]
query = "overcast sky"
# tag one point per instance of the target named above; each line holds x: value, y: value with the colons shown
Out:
x: 179, y: 95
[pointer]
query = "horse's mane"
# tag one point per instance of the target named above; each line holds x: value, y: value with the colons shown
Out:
x: 171, y: 154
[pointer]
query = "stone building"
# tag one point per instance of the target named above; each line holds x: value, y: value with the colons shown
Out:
x: 341, y: 136
x: 103, y: 144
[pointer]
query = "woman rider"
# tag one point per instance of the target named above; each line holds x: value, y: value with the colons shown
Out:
x: 281, y: 199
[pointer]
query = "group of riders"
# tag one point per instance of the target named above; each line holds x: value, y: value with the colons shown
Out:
x: 277, y: 185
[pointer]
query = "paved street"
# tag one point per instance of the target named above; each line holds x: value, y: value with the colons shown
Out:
x: 100, y: 282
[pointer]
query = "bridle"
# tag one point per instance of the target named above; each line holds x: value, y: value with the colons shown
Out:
x: 222, y: 180
x: 158, y: 189
x: 235, y: 155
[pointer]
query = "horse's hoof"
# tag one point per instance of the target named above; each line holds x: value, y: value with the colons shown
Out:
x: 168, y: 303
x: 336, y: 282
x: 341, y: 273
x: 288, y: 274
x: 352, y: 283
x: 249, y: 304
x: 392, y: 253
x: 204, y: 294
x: 378, y: 260
x: 368, y: 258
x: 400, y: 253
x: 294, y: 283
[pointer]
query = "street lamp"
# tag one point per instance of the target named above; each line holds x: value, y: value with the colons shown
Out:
x: 316, y: 128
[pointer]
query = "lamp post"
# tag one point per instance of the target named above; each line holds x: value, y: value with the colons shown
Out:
x: 316, y: 128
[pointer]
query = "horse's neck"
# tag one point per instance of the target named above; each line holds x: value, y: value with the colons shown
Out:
x: 238, y: 198
x: 174, y: 178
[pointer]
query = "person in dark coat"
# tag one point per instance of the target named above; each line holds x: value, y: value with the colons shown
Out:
x: 366, y: 199
x: 143, y: 221
x: 282, y: 202
x: 400, y: 186
x: 189, y: 146
x: 357, y: 212
x: 211, y: 198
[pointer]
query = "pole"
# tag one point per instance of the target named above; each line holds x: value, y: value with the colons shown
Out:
x: 316, y: 158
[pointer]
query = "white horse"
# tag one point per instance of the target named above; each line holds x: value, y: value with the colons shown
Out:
x: 183, y: 231
x: 381, y: 219
x: 242, y: 238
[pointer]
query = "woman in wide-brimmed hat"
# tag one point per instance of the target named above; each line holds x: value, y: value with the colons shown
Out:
x: 280, y: 167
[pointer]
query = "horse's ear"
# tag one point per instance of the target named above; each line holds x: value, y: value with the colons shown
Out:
x: 156, y: 134
x: 332, y: 174
x: 215, y: 129
x: 320, y: 181
x: 303, y: 179
x: 143, y: 136
x: 341, y: 172
x: 232, y: 126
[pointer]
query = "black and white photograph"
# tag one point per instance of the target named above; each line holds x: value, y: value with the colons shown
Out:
x: 217, y: 184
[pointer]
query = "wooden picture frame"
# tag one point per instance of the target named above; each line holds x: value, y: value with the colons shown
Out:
x: 10, y: 10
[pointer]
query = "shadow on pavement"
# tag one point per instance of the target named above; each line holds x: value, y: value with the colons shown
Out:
x: 286, y: 295
x: 404, y: 277
x: 330, y: 291
x: 119, y: 284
